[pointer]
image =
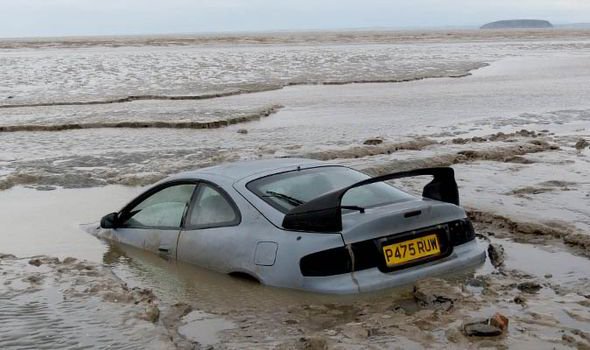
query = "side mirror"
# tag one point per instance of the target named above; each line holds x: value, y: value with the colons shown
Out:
x: 109, y: 220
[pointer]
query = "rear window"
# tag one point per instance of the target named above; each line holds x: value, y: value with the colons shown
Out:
x: 287, y: 190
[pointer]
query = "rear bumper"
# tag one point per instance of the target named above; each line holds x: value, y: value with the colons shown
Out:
x: 463, y: 257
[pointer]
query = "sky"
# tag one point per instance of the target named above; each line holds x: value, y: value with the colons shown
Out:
x: 32, y: 18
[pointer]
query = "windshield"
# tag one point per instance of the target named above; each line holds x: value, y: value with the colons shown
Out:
x: 287, y: 190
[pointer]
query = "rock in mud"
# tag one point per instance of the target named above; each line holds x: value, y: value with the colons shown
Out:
x: 355, y: 330
x: 7, y: 256
x: 242, y: 131
x: 69, y: 260
x: 35, y: 262
x: 312, y: 343
x: 529, y: 287
x: 581, y: 144
x: 143, y: 295
x: 496, y: 254
x: 578, y: 240
x: 34, y: 279
x: 43, y: 260
x: 520, y: 300
x: 480, y: 328
x: 488, y: 327
x: 83, y: 266
x: 373, y: 142
x: 436, y: 293
x: 518, y: 160
x: 152, y: 313
x: 477, y: 282
x: 500, y: 321
x: 526, y: 133
x: 498, y: 136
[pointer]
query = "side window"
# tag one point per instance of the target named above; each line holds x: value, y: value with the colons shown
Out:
x: 163, y: 209
x: 212, y: 209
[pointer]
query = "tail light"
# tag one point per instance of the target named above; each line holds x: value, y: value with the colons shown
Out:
x: 338, y: 261
x: 461, y: 232
x: 326, y: 263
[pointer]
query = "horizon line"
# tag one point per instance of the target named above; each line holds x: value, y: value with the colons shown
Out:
x: 289, y: 30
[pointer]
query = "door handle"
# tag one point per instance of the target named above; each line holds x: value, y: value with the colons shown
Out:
x: 164, y: 252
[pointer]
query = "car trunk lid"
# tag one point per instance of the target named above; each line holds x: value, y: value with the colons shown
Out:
x: 398, y: 218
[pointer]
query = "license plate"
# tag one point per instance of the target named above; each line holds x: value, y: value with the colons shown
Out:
x: 413, y: 249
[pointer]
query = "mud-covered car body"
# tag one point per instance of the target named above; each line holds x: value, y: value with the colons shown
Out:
x: 302, y: 224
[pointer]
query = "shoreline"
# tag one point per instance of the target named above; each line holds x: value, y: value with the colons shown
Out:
x: 291, y: 37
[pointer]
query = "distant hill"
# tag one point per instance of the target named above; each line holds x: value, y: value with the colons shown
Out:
x: 518, y: 23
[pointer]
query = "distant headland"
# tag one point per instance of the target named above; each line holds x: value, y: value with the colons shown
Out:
x: 518, y: 24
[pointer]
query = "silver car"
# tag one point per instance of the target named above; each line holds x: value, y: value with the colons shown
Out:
x: 302, y: 224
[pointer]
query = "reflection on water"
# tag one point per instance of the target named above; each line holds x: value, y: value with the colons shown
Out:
x: 204, y: 328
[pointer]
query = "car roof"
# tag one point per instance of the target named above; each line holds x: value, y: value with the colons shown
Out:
x: 242, y: 169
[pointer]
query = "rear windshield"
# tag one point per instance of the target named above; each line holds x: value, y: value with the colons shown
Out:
x: 287, y: 190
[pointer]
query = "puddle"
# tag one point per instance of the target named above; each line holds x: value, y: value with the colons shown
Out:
x: 47, y: 222
x: 203, y: 328
x: 546, y: 261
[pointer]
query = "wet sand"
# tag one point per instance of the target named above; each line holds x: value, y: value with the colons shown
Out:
x: 508, y: 126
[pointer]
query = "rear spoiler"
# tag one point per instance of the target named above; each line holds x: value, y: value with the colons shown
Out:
x: 324, y: 214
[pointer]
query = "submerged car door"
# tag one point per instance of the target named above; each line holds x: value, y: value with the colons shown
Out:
x: 153, y: 221
x: 210, y: 238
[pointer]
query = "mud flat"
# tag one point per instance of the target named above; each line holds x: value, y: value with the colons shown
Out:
x: 533, y: 183
x: 540, y: 284
x: 514, y: 123
x: 546, y: 302
x: 316, y: 121
x: 171, y: 118
x: 70, y: 303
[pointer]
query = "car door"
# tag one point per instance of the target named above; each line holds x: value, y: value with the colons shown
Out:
x: 210, y: 238
x: 154, y: 220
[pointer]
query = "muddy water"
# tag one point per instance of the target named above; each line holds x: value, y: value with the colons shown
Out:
x: 242, y: 314
x: 33, y: 221
x: 71, y: 305
x: 527, y: 191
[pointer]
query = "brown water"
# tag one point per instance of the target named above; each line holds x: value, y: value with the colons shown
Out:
x: 33, y: 221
